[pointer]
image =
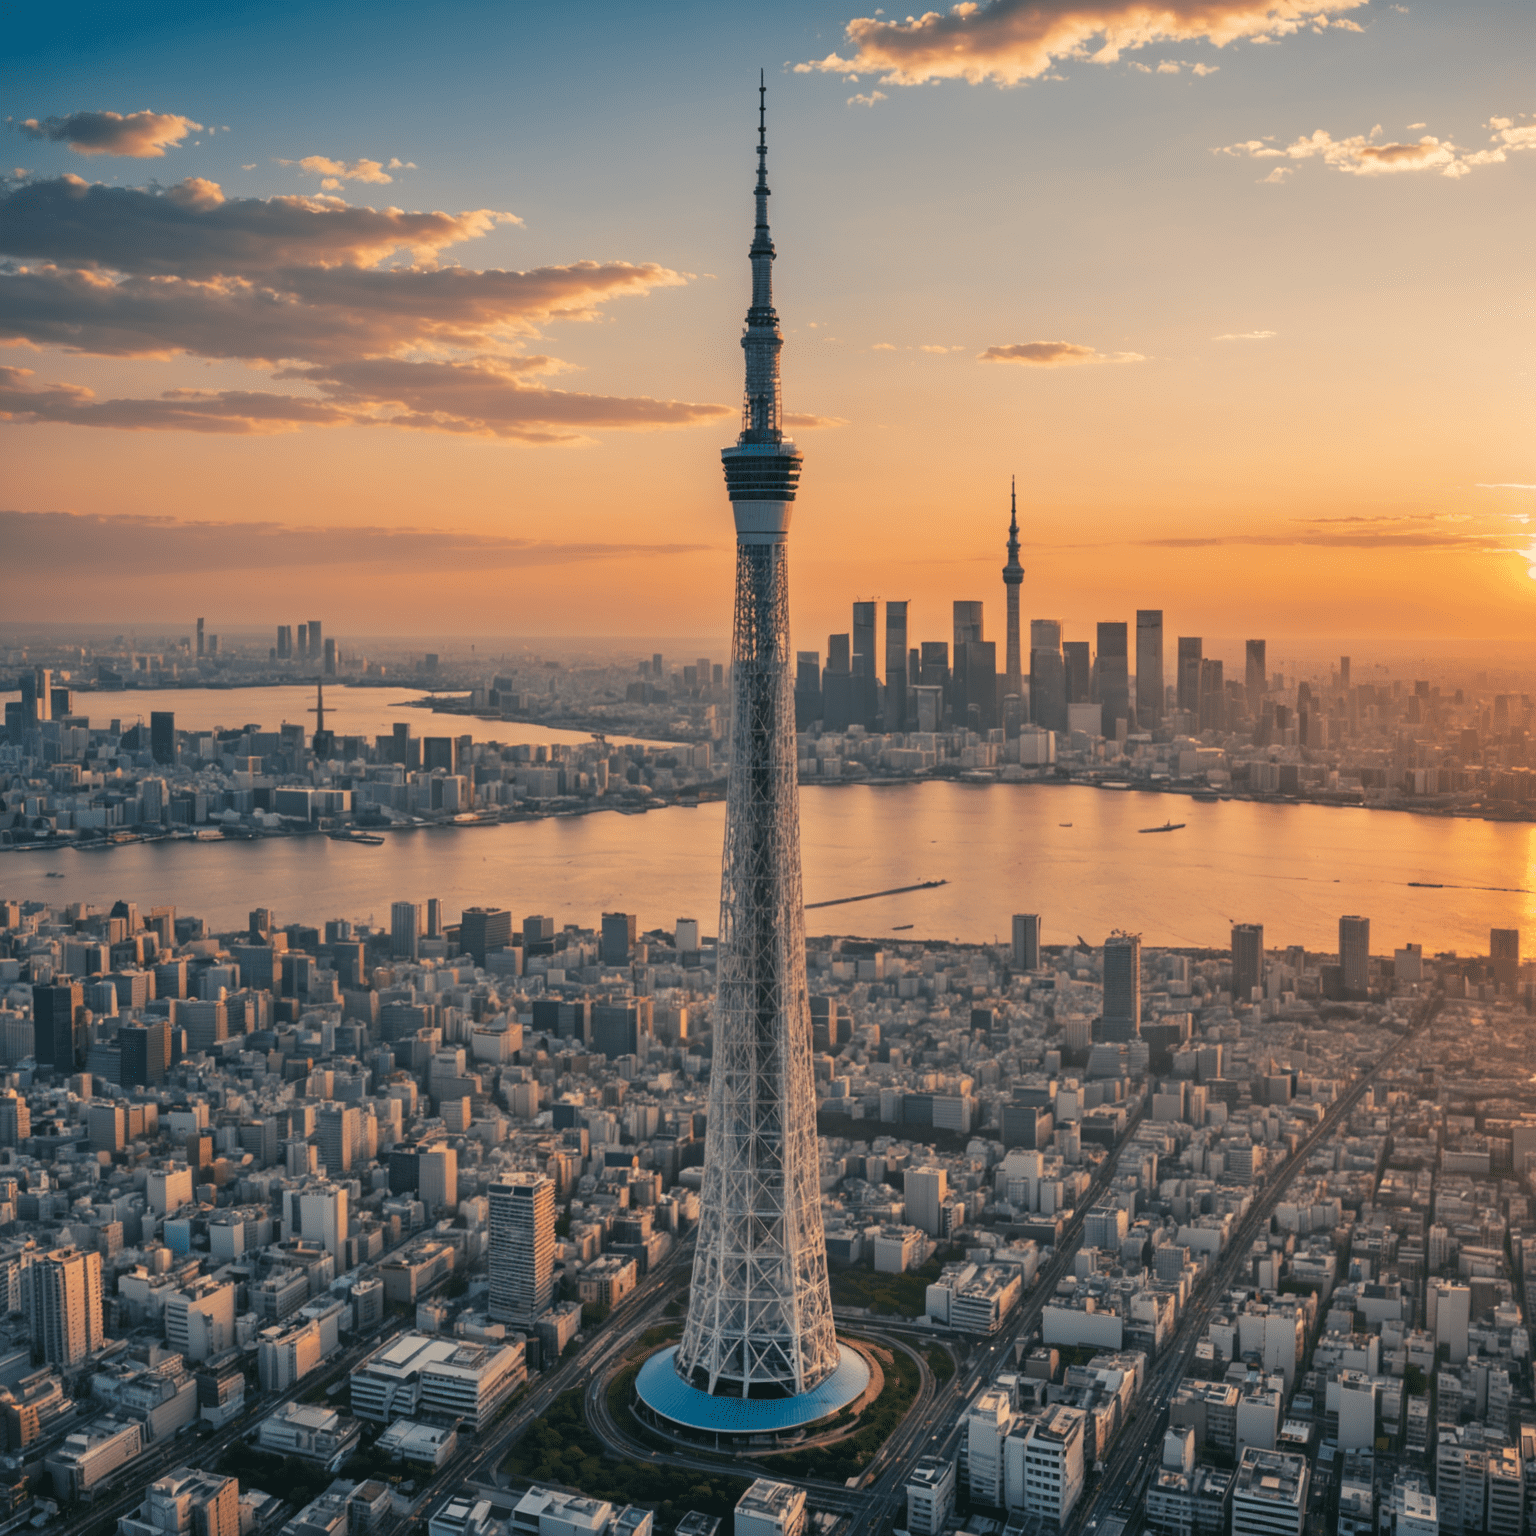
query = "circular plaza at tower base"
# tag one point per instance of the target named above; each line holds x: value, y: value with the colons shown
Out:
x: 683, y: 1409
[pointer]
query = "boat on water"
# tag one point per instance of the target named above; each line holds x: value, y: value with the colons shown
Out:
x: 901, y: 927
x: 1063, y: 823
x: 54, y: 874
x: 368, y: 839
x: 1167, y: 826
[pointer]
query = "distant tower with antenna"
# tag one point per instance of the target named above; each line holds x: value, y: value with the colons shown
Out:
x: 759, y: 1353
x: 1013, y: 579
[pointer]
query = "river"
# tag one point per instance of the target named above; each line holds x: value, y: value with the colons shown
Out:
x: 1003, y: 848
x: 367, y: 712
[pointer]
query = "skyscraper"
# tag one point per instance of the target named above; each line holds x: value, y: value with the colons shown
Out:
x: 865, y: 693
x: 162, y: 735
x: 1122, y: 987
x: 1026, y: 940
x: 896, y: 680
x: 759, y: 1318
x: 1247, y: 960
x: 1114, y: 678
x: 1077, y: 666
x: 1149, y: 668
x: 522, y: 1252
x: 55, y: 1008
x: 1355, y: 955
x: 1504, y: 953
x: 62, y: 1299
x: 404, y: 929
x: 1013, y: 579
x: 481, y: 930
x: 1191, y: 649
x: 316, y: 640
x: 200, y: 649
x: 1257, y: 680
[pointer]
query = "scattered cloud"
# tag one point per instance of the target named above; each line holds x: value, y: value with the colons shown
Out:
x: 867, y: 99
x: 144, y: 547
x: 484, y: 397
x: 934, y: 349
x: 133, y: 136
x: 1366, y: 154
x: 1010, y: 41
x: 1278, y: 175
x: 1505, y: 485
x: 1175, y: 67
x: 315, y: 314
x: 1245, y: 336
x: 192, y: 230
x: 882, y: 346
x: 805, y: 421
x: 1054, y: 354
x: 334, y: 173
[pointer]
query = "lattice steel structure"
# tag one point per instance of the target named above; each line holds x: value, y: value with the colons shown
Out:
x: 760, y: 1312
x: 1013, y: 578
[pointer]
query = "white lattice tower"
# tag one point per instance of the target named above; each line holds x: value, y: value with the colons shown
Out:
x: 760, y: 1312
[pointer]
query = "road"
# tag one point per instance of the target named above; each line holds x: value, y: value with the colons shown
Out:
x: 1137, y: 1453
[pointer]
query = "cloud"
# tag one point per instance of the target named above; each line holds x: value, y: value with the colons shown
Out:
x: 484, y: 397
x: 867, y: 100
x: 1365, y: 154
x: 1054, y: 354
x: 1245, y: 336
x: 146, y: 547
x: 334, y: 172
x: 316, y: 314
x: 1504, y: 485
x: 805, y: 421
x: 193, y: 230
x: 882, y: 346
x: 1010, y: 41
x: 136, y: 136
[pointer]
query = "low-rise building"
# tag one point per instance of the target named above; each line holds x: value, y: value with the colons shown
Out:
x: 930, y: 1495
x: 310, y: 1432
x: 768, y: 1508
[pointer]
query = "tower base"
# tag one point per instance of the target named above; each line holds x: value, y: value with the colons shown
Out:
x: 685, y: 1410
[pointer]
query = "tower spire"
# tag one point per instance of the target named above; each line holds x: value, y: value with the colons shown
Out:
x: 1013, y: 576
x: 761, y: 419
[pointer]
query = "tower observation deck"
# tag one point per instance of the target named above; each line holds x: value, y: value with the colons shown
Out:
x: 758, y: 1353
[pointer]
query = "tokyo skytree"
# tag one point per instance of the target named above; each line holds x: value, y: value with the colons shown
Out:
x: 760, y: 1313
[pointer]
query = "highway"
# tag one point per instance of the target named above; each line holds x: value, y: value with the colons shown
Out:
x: 1137, y: 1453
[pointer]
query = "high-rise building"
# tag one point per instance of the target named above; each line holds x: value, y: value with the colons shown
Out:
x: 619, y: 933
x: 55, y: 1027
x: 301, y: 650
x: 1122, y: 987
x: 1047, y: 675
x: 330, y: 658
x: 437, y: 1181
x: 896, y: 680
x: 1013, y: 579
x: 1114, y: 679
x: 1344, y: 672
x: 316, y: 640
x: 1257, y: 678
x: 1355, y: 955
x: 1213, y: 695
x: 522, y: 1247
x: 1247, y: 960
x: 622, y: 1028
x: 285, y: 642
x: 62, y: 1299
x: 483, y: 929
x: 1149, y: 668
x: 759, y: 1321
x: 162, y: 735
x: 975, y: 670
x: 1026, y: 940
x: 864, y: 662
x: 926, y: 1192
x: 808, y: 686
x: 339, y: 1135
x: 15, y: 1119
x: 1078, y: 670
x: 1504, y: 954
x: 36, y: 698
x: 405, y: 929
x: 187, y: 1502
x: 1191, y: 649
x: 199, y: 637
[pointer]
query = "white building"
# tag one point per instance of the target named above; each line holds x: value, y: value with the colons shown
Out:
x: 771, y: 1509
x: 200, y: 1321
x: 311, y: 1432
x: 1269, y: 1494
x: 987, y: 1423
x: 930, y: 1496
x: 421, y: 1373
x: 926, y: 1190
x: 1045, y: 1463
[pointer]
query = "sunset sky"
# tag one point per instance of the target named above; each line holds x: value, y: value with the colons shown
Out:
x: 426, y: 318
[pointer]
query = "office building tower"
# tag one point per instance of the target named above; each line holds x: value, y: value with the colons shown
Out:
x: 864, y: 666
x: 318, y: 1213
x: 162, y: 735
x: 301, y: 650
x: 522, y: 1248
x: 975, y: 670
x: 622, y: 1028
x: 1247, y: 961
x: 481, y: 930
x: 339, y: 1137
x: 759, y: 1321
x: 807, y: 689
x: 1504, y: 956
x: 437, y: 1181
x: 1077, y: 664
x: 435, y: 920
x: 1149, y: 668
x: 1122, y: 987
x: 285, y: 642
x: 837, y: 684
x: 55, y: 1024
x: 896, y: 679
x: 62, y: 1300
x: 1047, y: 675
x: 1355, y: 955
x: 199, y: 637
x: 1213, y: 695
x: 618, y: 937
x: 316, y: 641
x: 1257, y: 678
x: 1191, y: 649
x: 330, y: 658
x: 1026, y: 941
x: 36, y: 698
x: 1013, y: 579
x: 15, y: 1119
x: 1114, y: 680
x: 146, y: 1053
x: 1344, y: 672
x: 926, y: 1191
x: 405, y: 929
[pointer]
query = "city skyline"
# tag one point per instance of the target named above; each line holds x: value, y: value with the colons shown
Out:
x: 1284, y: 448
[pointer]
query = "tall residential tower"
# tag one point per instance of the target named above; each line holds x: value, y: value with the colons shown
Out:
x: 759, y: 1322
